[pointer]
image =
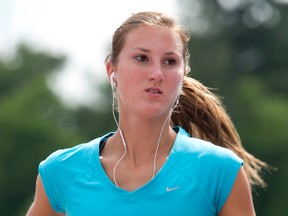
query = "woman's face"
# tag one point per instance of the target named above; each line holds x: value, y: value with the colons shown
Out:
x: 149, y: 71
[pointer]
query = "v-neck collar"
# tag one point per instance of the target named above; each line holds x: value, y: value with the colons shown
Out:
x: 130, y: 195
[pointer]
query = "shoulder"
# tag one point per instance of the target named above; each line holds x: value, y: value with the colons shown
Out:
x: 71, y: 160
x: 212, y: 167
x: 63, y: 165
x: 71, y: 156
x: 61, y: 168
x: 203, y: 151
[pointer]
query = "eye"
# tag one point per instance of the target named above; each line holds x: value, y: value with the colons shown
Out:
x: 142, y: 58
x: 170, y: 62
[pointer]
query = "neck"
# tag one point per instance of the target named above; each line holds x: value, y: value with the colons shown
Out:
x: 143, y: 138
x: 140, y: 145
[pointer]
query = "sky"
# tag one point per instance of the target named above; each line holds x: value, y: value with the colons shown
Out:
x: 79, y: 29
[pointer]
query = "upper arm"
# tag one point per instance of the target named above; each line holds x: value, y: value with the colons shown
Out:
x: 240, y: 200
x: 41, y: 205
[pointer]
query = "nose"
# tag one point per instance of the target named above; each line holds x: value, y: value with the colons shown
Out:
x: 156, y: 74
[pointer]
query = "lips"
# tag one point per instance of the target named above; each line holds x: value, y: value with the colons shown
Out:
x: 153, y: 90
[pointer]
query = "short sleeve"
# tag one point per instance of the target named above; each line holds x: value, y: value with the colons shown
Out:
x: 228, y: 172
x: 213, y: 167
x: 217, y: 171
x: 48, y: 171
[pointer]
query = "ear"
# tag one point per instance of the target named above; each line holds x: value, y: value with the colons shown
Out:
x: 113, y: 80
x: 109, y: 69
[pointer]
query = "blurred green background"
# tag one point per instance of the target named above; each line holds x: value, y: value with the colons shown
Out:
x: 240, y: 49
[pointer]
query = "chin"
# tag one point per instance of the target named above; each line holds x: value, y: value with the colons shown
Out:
x: 155, y: 112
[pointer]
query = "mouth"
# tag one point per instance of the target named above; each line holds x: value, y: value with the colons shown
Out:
x: 153, y: 90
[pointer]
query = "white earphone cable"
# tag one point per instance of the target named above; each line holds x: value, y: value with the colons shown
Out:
x: 124, y: 142
x: 160, y: 136
x: 122, y: 137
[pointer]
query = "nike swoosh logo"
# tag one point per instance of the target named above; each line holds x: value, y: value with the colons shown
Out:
x: 168, y: 189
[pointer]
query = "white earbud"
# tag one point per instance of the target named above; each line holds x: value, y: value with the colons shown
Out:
x: 112, y: 79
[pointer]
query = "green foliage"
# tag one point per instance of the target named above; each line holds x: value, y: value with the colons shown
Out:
x: 243, y: 54
x: 32, y: 124
x: 265, y: 112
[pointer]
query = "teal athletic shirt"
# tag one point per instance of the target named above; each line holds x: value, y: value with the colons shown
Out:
x: 195, y: 180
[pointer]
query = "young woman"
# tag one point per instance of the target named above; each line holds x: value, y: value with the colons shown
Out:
x: 175, y: 152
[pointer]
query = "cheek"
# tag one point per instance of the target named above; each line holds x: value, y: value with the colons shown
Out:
x: 179, y: 88
x: 177, y: 82
x: 129, y: 87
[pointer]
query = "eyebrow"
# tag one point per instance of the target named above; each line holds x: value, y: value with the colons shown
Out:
x: 142, y: 49
x: 149, y: 51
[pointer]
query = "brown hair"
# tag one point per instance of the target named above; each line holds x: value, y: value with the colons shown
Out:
x: 152, y: 19
x: 200, y: 112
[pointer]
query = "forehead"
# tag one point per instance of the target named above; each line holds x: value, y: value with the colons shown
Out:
x: 154, y: 37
